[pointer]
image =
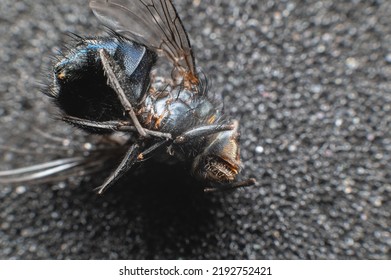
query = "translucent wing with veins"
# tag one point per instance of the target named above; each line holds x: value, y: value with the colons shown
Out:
x: 154, y: 23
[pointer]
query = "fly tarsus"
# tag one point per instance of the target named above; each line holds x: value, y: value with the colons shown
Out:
x: 231, y: 186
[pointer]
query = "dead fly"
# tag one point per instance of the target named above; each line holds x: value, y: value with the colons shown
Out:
x: 106, y: 85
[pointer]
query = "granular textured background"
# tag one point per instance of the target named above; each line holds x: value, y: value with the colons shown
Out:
x: 309, y: 82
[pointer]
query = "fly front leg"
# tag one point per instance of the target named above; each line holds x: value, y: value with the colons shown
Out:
x: 231, y: 186
x: 202, y: 131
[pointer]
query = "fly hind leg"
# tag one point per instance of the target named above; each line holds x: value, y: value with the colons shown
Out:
x: 108, y: 67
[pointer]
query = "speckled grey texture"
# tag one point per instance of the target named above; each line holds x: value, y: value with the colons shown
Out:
x: 309, y: 82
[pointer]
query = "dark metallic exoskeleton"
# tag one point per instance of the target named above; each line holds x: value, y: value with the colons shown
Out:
x: 80, y: 87
x: 108, y: 85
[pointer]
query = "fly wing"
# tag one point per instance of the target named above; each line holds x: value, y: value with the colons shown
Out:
x: 96, y: 162
x: 154, y: 23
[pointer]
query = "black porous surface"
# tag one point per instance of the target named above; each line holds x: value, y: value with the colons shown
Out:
x: 309, y: 82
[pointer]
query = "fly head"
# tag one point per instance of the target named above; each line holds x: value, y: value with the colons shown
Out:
x: 219, y: 162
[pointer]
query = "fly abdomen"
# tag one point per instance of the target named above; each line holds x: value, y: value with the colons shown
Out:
x: 80, y: 86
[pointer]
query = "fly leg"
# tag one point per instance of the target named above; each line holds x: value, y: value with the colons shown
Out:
x: 106, y: 126
x: 127, y: 162
x: 131, y: 157
x: 231, y: 186
x: 141, y: 156
x: 110, y: 126
x: 108, y: 66
x: 203, y: 131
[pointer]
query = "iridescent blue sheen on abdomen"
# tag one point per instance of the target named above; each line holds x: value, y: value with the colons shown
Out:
x: 80, y: 86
